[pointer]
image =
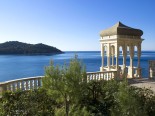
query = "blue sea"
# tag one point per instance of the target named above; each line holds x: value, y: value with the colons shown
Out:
x: 20, y: 66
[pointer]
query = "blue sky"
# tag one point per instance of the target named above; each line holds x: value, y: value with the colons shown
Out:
x: 73, y: 25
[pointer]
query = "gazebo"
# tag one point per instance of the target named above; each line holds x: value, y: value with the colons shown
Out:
x: 128, y: 40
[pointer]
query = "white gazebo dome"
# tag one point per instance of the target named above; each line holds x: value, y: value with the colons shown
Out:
x: 121, y: 29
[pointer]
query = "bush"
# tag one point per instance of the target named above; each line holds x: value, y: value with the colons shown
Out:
x: 24, y: 103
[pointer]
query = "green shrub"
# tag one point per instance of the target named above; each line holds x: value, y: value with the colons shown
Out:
x: 24, y: 103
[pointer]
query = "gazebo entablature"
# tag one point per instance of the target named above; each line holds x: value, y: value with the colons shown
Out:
x: 110, y: 47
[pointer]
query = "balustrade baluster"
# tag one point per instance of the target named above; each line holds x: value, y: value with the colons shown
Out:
x: 27, y: 85
x: 18, y: 85
x: 11, y: 87
x: 98, y: 76
x: 95, y: 77
x: 35, y: 84
x: 88, y: 77
x: 113, y: 75
x: 31, y: 84
x: 102, y: 76
x: 14, y: 86
x: 91, y: 77
x: 107, y: 76
x: 39, y: 82
x: 7, y: 87
x: 110, y: 75
x: 22, y: 85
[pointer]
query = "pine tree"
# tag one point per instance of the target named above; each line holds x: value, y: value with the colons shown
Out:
x: 66, y: 84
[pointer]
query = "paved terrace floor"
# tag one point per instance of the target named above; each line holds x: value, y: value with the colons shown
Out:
x: 143, y: 82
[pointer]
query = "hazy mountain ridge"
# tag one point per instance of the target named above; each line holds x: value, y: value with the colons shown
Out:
x: 15, y: 47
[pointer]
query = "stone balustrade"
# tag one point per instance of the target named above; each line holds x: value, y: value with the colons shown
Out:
x: 21, y: 84
x: 136, y: 72
x: 105, y: 75
x: 36, y: 82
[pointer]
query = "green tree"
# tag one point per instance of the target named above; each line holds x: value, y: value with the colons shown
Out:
x: 126, y: 104
x: 66, y: 84
x: 100, y: 98
x: 27, y: 103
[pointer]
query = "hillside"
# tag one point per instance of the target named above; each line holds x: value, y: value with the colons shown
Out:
x: 15, y: 47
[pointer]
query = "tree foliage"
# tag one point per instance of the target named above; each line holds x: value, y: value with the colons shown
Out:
x: 27, y: 103
x: 66, y: 84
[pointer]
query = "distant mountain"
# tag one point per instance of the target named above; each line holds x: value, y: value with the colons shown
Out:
x: 15, y: 47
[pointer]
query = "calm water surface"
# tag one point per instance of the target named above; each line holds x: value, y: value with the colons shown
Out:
x: 20, y: 66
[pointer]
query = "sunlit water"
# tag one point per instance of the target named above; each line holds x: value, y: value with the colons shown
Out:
x: 20, y: 66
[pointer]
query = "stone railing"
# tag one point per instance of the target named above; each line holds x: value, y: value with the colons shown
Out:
x: 36, y: 82
x: 21, y: 84
x: 106, y: 75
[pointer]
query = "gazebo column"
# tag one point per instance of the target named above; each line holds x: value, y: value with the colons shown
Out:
x: 108, y: 57
x: 124, y: 63
x: 117, y: 55
x: 139, y: 55
x: 112, y: 59
x: 138, y: 72
x: 124, y: 58
x: 116, y: 62
x: 131, y: 69
x: 112, y: 54
x: 102, y: 55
